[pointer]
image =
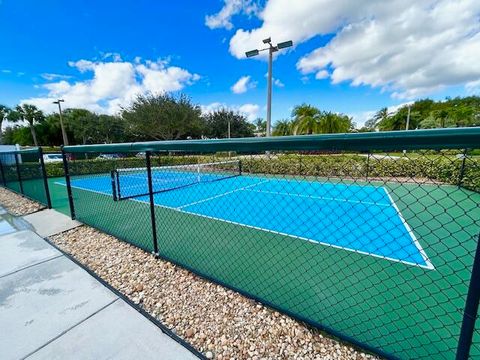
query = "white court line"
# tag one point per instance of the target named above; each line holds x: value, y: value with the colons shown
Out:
x: 410, y: 231
x: 318, y: 197
x: 222, y: 194
x: 429, y: 265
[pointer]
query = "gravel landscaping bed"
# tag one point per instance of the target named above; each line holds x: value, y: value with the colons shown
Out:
x: 220, y: 323
x: 17, y: 204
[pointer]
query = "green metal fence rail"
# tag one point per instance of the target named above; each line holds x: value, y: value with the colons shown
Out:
x: 24, y: 172
x: 372, y: 237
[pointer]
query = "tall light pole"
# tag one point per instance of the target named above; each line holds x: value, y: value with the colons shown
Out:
x: 271, y: 49
x: 408, y: 116
x: 64, y: 134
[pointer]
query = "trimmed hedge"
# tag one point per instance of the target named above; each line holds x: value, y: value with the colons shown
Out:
x: 434, y: 168
x: 444, y: 169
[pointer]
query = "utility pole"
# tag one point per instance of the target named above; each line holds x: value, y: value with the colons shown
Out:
x: 271, y: 49
x: 64, y: 133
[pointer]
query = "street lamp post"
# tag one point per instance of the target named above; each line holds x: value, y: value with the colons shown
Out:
x: 64, y: 134
x: 271, y: 49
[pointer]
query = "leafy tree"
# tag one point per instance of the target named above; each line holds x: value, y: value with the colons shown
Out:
x: 310, y: 120
x: 17, y: 135
x: 260, y: 126
x: 306, y: 119
x: 163, y: 117
x: 4, y: 111
x: 110, y: 129
x: 330, y: 123
x: 29, y: 113
x: 380, y: 115
x: 216, y: 124
x: 428, y: 114
x: 283, y: 128
x: 83, y: 124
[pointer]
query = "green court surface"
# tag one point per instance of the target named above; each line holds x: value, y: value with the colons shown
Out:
x: 405, y: 310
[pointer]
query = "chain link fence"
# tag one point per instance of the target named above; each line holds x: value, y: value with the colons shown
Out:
x: 371, y: 237
x: 23, y: 171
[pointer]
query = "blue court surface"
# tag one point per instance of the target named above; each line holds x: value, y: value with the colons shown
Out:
x: 352, y: 217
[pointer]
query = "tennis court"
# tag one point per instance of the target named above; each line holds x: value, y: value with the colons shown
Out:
x: 360, y: 218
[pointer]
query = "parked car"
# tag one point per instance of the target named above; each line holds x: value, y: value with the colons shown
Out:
x: 52, y: 158
x: 141, y: 155
x: 109, y: 157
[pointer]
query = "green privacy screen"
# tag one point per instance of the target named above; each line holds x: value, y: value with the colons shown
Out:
x: 23, y: 171
x: 371, y: 237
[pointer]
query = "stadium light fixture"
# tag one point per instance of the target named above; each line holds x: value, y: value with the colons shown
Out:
x: 271, y: 49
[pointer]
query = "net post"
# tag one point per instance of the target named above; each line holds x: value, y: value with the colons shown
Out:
x: 471, y: 309
x: 45, y: 178
x: 19, y: 176
x: 240, y: 167
x: 67, y: 181
x: 152, y: 203
x: 114, y: 186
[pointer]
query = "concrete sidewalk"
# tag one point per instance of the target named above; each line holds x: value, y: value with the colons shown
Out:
x: 51, y: 308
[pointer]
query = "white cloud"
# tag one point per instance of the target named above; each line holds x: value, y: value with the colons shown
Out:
x: 278, y: 83
x: 359, y: 118
x: 113, y: 84
x: 223, y: 18
x: 51, y: 76
x: 6, y: 71
x: 242, y: 85
x: 407, y: 47
x: 249, y: 110
x: 322, y: 74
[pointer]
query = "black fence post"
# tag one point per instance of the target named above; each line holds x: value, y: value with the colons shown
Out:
x: 152, y: 204
x: 19, y: 176
x: 368, y: 167
x: 114, y: 186
x: 471, y: 309
x: 69, y: 187
x: 462, y: 169
x: 45, y: 178
x: 4, y: 181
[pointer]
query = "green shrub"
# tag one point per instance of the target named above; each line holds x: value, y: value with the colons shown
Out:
x: 433, y: 168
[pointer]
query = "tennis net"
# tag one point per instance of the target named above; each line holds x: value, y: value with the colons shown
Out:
x: 133, y: 182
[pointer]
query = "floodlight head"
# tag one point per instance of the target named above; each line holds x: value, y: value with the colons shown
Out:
x: 252, y: 53
x: 267, y: 41
x: 285, y: 44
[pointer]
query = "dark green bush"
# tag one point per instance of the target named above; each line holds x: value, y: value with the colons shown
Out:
x: 431, y: 168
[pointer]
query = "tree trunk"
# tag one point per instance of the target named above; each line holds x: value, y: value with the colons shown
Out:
x: 34, y: 135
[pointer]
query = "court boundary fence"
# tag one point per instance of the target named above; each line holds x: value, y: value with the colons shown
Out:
x: 36, y: 155
x: 444, y: 139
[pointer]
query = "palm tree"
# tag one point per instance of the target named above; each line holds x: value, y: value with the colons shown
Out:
x: 260, y: 126
x: 4, y: 111
x: 379, y: 119
x: 306, y: 119
x: 283, y: 128
x: 30, y: 114
x: 330, y: 123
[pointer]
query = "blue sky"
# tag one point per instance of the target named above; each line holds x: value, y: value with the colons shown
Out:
x: 350, y: 57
